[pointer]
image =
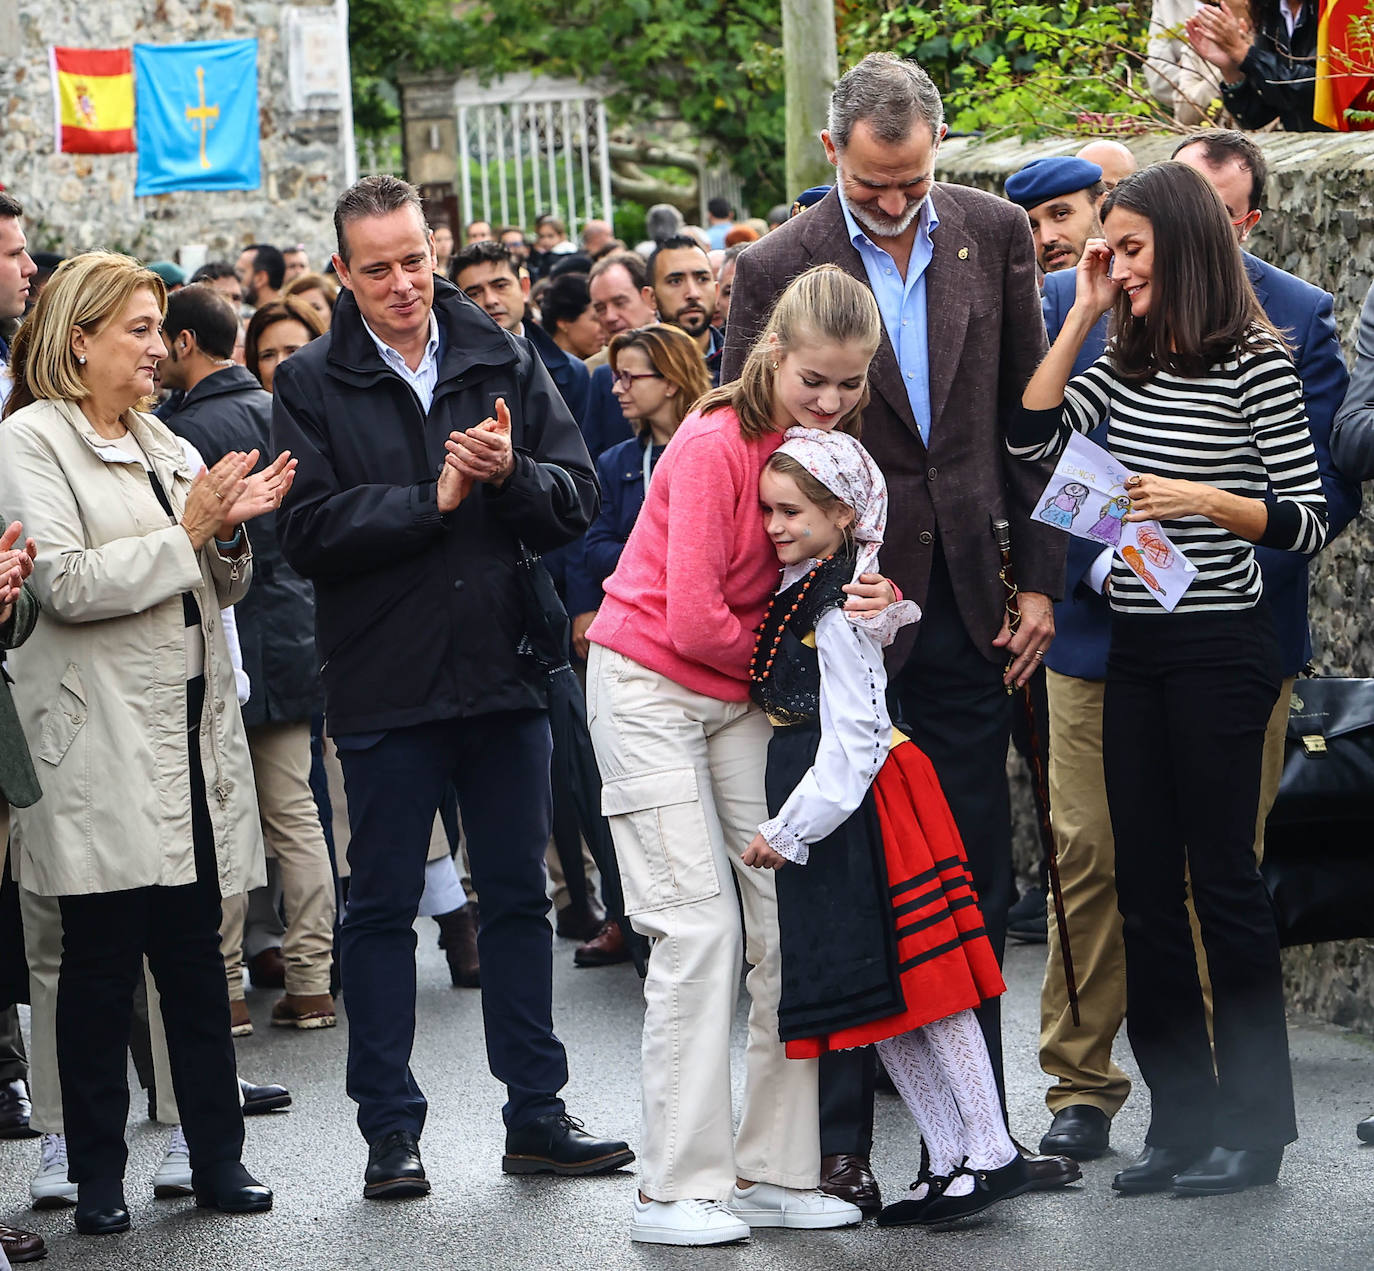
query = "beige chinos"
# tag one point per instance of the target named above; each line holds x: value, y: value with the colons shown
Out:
x: 683, y: 790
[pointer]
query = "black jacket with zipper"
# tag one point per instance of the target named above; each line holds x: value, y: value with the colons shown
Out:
x: 419, y: 615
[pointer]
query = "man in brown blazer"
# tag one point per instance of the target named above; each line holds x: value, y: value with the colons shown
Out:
x: 953, y: 270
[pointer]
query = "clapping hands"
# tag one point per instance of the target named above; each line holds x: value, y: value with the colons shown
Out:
x: 16, y: 564
x: 483, y: 453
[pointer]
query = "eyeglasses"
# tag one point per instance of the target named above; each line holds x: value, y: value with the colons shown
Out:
x: 626, y: 379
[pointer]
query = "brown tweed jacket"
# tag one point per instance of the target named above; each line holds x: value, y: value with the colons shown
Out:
x: 986, y: 337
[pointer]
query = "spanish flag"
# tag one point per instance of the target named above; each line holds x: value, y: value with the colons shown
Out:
x: 93, y: 100
x: 1345, y: 64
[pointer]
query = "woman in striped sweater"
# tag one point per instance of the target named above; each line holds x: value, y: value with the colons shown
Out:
x: 1205, y: 408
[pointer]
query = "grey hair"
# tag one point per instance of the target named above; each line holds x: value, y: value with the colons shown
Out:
x: 663, y: 221
x: 378, y: 195
x: 11, y: 209
x: 889, y: 93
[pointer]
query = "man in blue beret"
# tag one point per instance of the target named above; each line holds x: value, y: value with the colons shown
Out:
x: 1060, y: 196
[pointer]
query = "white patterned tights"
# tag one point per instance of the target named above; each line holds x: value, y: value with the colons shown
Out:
x: 944, y: 1076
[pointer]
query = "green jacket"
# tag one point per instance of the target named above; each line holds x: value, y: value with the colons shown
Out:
x: 18, y: 781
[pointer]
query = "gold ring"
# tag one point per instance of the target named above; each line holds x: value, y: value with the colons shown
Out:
x: 1039, y: 653
x: 218, y: 495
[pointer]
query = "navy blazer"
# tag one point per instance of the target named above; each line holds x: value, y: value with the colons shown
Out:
x: 620, y: 472
x: 1304, y: 314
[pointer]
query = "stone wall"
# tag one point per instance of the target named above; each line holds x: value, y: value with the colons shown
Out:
x: 78, y: 201
x: 1318, y: 223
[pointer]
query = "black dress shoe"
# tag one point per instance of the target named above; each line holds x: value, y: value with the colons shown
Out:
x: 1155, y: 1169
x: 577, y: 922
x: 1047, y: 1173
x: 1365, y: 1130
x: 938, y: 1206
x: 15, y: 1110
x: 557, y: 1144
x: 1229, y: 1169
x: 394, y: 1169
x: 1080, y: 1131
x: 1028, y: 918
x: 229, y: 1188
x: 847, y: 1176
x: 260, y: 1099
x: 100, y: 1208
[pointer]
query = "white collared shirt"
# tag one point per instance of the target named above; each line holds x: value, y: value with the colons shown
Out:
x: 424, y: 377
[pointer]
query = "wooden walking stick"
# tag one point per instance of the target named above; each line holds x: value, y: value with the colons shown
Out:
x: 1001, y: 531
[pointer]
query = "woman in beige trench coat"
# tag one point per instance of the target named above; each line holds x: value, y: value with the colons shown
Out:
x: 126, y: 695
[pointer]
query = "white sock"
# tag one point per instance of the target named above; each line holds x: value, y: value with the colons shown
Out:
x: 443, y: 892
x: 958, y: 1047
x: 919, y: 1080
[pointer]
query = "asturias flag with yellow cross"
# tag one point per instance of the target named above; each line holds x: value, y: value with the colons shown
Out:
x: 93, y: 100
x: 197, y: 116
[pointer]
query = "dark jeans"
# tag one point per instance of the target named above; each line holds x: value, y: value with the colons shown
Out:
x: 499, y: 765
x: 1187, y: 701
x: 105, y: 937
x: 950, y: 700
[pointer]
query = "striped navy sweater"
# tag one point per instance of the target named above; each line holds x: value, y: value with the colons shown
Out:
x: 1241, y: 428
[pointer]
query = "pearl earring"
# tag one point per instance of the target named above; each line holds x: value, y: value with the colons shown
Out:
x: 82, y: 359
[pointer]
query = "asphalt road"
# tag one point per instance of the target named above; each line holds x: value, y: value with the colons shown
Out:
x: 1320, y: 1216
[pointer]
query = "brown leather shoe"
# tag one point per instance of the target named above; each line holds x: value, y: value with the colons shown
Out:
x: 240, y: 1021
x: 849, y: 1177
x: 458, y: 939
x: 577, y: 922
x: 606, y: 948
x: 20, y: 1245
x: 304, y: 1010
x: 1048, y: 1172
x: 267, y: 970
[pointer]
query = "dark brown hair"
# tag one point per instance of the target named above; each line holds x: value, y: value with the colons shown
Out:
x: 1227, y: 145
x: 288, y: 309
x: 1202, y: 308
x: 675, y: 356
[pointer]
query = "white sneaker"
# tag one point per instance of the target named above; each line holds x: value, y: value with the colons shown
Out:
x: 173, y: 1177
x: 767, y: 1205
x: 685, y: 1222
x: 50, y: 1188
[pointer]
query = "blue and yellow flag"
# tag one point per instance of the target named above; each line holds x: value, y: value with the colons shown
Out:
x: 197, y: 118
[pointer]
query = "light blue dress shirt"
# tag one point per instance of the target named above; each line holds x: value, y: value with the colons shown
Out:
x: 424, y: 378
x: 902, y: 302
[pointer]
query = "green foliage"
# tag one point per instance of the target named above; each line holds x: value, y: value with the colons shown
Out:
x: 1025, y: 68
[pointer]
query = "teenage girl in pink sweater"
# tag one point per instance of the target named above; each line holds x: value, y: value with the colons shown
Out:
x: 682, y: 753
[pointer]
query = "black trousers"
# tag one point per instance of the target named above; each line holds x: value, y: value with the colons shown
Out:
x: 499, y: 766
x: 1186, y: 704
x: 105, y: 937
x: 950, y: 700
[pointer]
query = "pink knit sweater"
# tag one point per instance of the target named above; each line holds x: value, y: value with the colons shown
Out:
x: 698, y: 570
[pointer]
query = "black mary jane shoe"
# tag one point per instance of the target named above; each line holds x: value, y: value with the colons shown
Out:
x: 904, y: 1213
x: 1229, y: 1169
x: 1155, y: 1169
x: 231, y: 1189
x: 990, y: 1186
x: 100, y: 1208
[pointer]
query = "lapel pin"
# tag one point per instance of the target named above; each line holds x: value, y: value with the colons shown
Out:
x: 963, y: 253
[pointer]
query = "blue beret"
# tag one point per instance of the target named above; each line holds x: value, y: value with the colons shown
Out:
x: 1045, y: 179
x: 809, y: 198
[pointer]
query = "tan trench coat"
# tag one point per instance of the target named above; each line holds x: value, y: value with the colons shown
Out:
x: 101, y: 684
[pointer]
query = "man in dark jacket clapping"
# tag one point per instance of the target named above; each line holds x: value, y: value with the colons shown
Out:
x: 431, y: 442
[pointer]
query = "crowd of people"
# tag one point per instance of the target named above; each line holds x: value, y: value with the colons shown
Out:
x: 280, y: 543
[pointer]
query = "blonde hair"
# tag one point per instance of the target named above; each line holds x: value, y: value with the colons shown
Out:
x: 312, y: 282
x: 86, y: 291
x: 822, y: 305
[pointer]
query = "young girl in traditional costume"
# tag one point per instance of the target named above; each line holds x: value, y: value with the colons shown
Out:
x: 882, y: 940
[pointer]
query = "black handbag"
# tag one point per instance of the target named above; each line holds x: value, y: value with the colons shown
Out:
x: 1319, y: 839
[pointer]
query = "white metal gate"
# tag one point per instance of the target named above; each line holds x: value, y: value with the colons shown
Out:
x: 527, y: 146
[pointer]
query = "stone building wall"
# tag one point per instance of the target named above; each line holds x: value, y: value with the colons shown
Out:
x: 1319, y: 224
x: 75, y: 201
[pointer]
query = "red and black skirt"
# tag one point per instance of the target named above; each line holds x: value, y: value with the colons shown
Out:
x: 880, y: 930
